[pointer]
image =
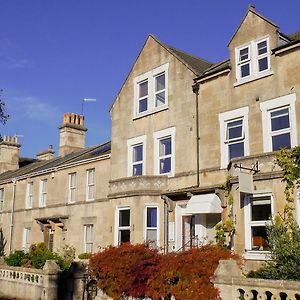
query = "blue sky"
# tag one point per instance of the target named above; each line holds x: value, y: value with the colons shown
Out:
x: 54, y: 53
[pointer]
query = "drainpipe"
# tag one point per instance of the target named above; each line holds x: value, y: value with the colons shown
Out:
x: 167, y: 209
x: 14, y: 182
x: 196, y: 87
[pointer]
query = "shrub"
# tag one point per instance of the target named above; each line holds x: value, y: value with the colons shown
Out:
x: 38, y: 254
x: 186, y: 275
x: 16, y: 258
x: 137, y: 271
x: 124, y: 270
x: 85, y: 255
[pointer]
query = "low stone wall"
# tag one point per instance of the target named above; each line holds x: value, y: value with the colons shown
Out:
x: 50, y: 283
x: 26, y: 283
x: 233, y: 285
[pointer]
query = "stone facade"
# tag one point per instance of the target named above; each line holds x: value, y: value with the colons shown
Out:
x: 180, y: 127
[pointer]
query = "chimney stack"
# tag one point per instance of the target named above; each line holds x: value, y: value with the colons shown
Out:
x: 47, y: 154
x: 9, y: 154
x: 71, y: 134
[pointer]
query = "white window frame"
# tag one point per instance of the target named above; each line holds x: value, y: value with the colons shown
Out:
x: 1, y: 199
x: 43, y: 193
x: 150, y: 76
x: 253, y: 61
x: 117, y: 227
x: 249, y: 253
x: 72, y: 189
x: 224, y: 118
x: 151, y: 228
x: 87, y: 242
x: 90, y: 185
x: 26, y: 239
x: 131, y: 143
x: 29, y: 195
x: 266, y: 107
x: 158, y: 136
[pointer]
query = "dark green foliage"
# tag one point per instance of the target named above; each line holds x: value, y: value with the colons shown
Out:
x: 36, y: 258
x: 84, y: 255
x: 15, y: 259
x: 2, y: 243
x: 284, y: 244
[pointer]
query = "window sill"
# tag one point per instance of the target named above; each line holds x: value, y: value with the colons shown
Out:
x: 89, y: 200
x: 253, y: 78
x: 256, y: 255
x: 144, y: 114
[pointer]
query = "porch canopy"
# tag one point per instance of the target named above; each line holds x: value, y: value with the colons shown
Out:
x: 204, y: 204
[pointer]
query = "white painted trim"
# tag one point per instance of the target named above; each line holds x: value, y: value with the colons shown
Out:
x: 26, y: 239
x: 253, y: 61
x: 158, y: 135
x: 43, y: 182
x: 223, y: 119
x: 71, y: 188
x: 130, y: 144
x: 249, y: 253
x: 117, y: 210
x: 279, y: 102
x: 150, y: 77
x: 90, y: 185
x: 85, y: 242
x: 157, y: 225
x: 27, y: 204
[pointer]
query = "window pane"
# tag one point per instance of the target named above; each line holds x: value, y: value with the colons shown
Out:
x: 91, y: 176
x: 262, y: 47
x: 91, y: 192
x: 165, y: 165
x: 124, y: 236
x: 236, y: 150
x: 235, y: 129
x: 165, y: 147
x: 244, y: 54
x: 160, y: 83
x: 89, y: 247
x: 151, y: 216
x: 263, y: 64
x: 137, y: 153
x: 151, y: 235
x: 137, y: 170
x: 88, y: 232
x: 259, y: 238
x: 124, y: 217
x: 160, y: 99
x: 143, y: 89
x: 143, y: 105
x: 245, y: 70
x: 281, y: 141
x: 261, y: 209
x: 280, y: 119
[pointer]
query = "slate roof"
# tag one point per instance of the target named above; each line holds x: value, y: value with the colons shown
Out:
x: 196, y: 63
x: 74, y: 157
x: 223, y: 65
x: 294, y: 36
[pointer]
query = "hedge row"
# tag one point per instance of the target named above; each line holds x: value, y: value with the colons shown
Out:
x: 138, y: 271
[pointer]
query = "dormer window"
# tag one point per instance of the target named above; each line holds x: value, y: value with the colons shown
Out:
x: 253, y: 61
x: 151, y: 91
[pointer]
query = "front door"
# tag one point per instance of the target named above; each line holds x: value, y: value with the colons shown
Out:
x: 188, y: 232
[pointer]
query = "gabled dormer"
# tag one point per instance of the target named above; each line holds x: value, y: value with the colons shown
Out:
x: 250, y: 47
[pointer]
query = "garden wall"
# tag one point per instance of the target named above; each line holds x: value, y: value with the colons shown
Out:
x: 233, y: 285
x: 46, y: 284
